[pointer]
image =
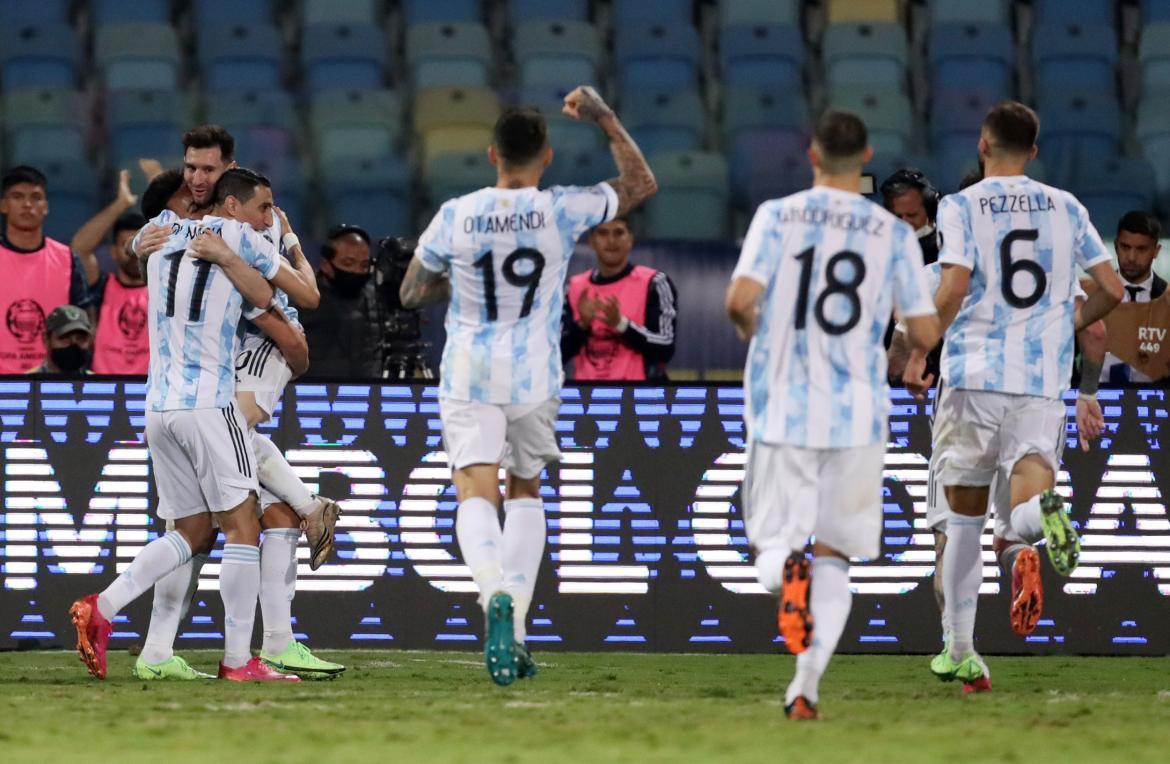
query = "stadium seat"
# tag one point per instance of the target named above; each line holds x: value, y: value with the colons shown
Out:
x: 340, y: 12
x: 1077, y: 128
x: 1155, y: 10
x: 783, y: 12
x: 692, y: 197
x: 38, y: 56
x: 580, y: 168
x: 641, y: 13
x: 957, y: 114
x: 72, y: 192
x: 145, y: 123
x: 356, y: 123
x: 452, y: 175
x: 866, y: 54
x: 252, y: 108
x: 1084, y: 55
x: 557, y: 52
x: 748, y: 108
x: 263, y: 145
x: 972, y: 56
x: 565, y: 134
x: 664, y: 120
x: 45, y: 124
x: 34, y: 12
x: 241, y: 57
x: 446, y: 53
x: 343, y: 56
x: 844, y: 11
x: 761, y: 128
x: 888, y: 116
x: 137, y: 56
x: 1153, y: 132
x: 102, y: 12
x: 371, y: 193
x: 657, y: 55
x: 1045, y: 12
x: 1111, y: 187
x: 763, y: 55
x: 985, y: 11
x: 213, y: 12
x: 424, y: 11
x: 1154, y: 55
x: 524, y: 11
x: 454, y: 119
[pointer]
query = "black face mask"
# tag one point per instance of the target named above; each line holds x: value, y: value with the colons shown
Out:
x: 349, y: 284
x: 70, y: 359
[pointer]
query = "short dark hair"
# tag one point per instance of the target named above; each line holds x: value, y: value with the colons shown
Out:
x: 1140, y: 222
x: 129, y: 221
x: 1012, y: 127
x: 841, y: 136
x: 239, y: 182
x: 206, y: 136
x: 23, y: 174
x: 520, y: 134
x: 158, y: 194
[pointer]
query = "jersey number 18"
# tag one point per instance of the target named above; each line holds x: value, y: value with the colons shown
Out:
x: 834, y: 284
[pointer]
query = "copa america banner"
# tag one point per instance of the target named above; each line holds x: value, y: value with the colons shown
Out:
x: 645, y: 542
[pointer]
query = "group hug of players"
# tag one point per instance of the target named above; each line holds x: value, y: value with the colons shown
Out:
x: 820, y: 274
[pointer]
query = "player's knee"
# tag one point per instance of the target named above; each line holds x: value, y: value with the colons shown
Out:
x: 522, y: 488
x: 240, y: 524
x: 198, y: 532
x: 279, y: 515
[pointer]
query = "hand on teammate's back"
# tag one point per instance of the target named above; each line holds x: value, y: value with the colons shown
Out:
x: 585, y: 104
x: 153, y: 238
x: 210, y: 247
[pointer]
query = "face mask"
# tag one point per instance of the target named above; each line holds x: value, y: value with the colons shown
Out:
x: 925, y: 230
x: 349, y: 284
x: 70, y: 359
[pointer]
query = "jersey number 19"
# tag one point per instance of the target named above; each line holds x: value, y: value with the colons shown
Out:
x: 528, y: 280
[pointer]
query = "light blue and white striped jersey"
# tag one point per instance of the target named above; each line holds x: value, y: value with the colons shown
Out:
x: 1022, y: 241
x: 833, y: 265
x: 274, y: 234
x: 507, y: 252
x: 194, y: 313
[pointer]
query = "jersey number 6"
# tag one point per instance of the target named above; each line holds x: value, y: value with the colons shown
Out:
x: 1011, y: 267
x: 529, y: 280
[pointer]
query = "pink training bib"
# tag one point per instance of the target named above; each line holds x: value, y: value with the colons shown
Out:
x: 122, y: 344
x: 31, y: 285
x: 604, y: 355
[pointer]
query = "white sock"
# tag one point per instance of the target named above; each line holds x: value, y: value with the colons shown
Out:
x: 172, y: 596
x: 770, y: 568
x: 481, y: 542
x: 829, y: 603
x: 524, y: 534
x: 1028, y: 521
x: 277, y: 475
x: 239, y: 585
x: 156, y: 559
x: 962, y: 574
x: 278, y: 584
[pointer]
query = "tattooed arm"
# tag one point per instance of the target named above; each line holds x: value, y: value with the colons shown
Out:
x: 422, y: 286
x: 635, y: 182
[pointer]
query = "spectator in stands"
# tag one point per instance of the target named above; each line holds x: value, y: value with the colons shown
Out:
x: 1137, y: 247
x: 68, y: 343
x: 345, y: 330
x: 36, y: 272
x: 619, y: 318
x: 910, y: 195
x: 119, y: 298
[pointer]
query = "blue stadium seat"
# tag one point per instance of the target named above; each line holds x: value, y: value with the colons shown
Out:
x: 137, y: 56
x: 657, y: 55
x: 1111, y: 187
x: 35, y: 144
x: 145, y: 123
x: 986, y: 11
x: 45, y: 124
x: 451, y: 175
x: 692, y: 197
x: 1077, y: 128
x: 570, y: 135
x: 241, y: 57
x: 763, y: 55
x: 580, y: 168
x: 640, y: 12
x: 340, y: 12
x: 1155, y: 10
x: 523, y: 11
x: 252, y: 108
x: 343, y: 56
x: 786, y: 12
x: 38, y: 56
x: 1154, y: 55
x: 263, y: 145
x: 1084, y: 55
x: 663, y: 120
x: 371, y: 193
x: 121, y: 12
x: 448, y: 53
x: 356, y: 123
x: 423, y: 11
x: 866, y: 54
x: 958, y: 115
x: 888, y: 116
x: 550, y: 52
x: 1047, y: 12
x: 72, y: 187
x: 748, y: 108
x: 762, y: 159
x: 218, y: 12
x: 966, y: 56
x: 34, y: 12
x: 1153, y: 132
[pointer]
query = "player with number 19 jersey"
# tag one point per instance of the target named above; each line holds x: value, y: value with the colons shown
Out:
x: 507, y: 252
x: 1022, y: 240
x: 833, y: 264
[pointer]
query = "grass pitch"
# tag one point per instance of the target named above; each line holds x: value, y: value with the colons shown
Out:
x: 438, y: 707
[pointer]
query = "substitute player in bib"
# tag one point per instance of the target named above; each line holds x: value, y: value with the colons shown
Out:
x: 819, y: 273
x: 201, y: 461
x: 1006, y: 297
x: 501, y: 254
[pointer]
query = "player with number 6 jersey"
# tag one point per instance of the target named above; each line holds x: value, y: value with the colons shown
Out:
x: 501, y: 255
x: 818, y: 276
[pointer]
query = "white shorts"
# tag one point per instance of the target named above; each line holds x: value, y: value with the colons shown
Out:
x: 979, y: 433
x: 791, y: 493
x: 262, y: 371
x: 522, y: 438
x: 201, y: 460
x: 938, y: 510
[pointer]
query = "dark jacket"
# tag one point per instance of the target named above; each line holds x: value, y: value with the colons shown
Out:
x: 344, y: 333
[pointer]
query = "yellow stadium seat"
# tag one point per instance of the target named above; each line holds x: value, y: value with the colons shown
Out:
x: 455, y: 107
x: 454, y: 140
x: 864, y: 10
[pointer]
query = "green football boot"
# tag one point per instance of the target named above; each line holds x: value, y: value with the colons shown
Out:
x: 298, y: 659
x: 173, y: 669
x: 968, y: 670
x: 525, y: 666
x: 1064, y: 548
x: 499, y: 653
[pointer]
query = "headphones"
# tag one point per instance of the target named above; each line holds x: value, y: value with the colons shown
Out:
x: 328, y: 250
x: 916, y: 178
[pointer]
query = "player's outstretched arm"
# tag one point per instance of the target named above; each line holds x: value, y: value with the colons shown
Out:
x: 898, y: 354
x: 249, y: 281
x: 1104, y: 299
x: 297, y: 280
x: 90, y: 235
x: 289, y: 340
x: 635, y: 182
x: 422, y: 286
x: 742, y: 298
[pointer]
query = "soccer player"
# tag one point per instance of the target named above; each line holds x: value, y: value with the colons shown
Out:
x: 202, y: 463
x: 501, y: 255
x: 1006, y: 298
x: 819, y: 273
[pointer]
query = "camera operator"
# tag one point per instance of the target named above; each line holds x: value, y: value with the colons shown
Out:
x: 910, y: 196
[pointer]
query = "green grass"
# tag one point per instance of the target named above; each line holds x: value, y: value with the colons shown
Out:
x: 583, y: 708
